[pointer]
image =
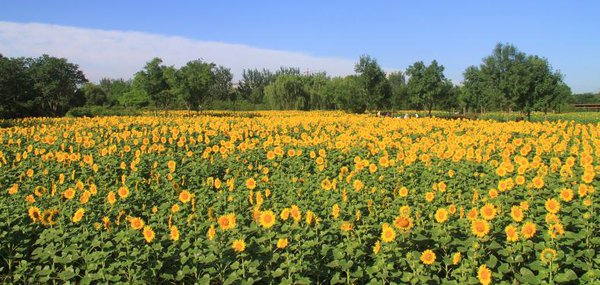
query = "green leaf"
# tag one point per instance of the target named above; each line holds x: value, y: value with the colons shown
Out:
x: 567, y: 276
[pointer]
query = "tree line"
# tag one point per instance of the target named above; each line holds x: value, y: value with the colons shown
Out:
x: 506, y: 80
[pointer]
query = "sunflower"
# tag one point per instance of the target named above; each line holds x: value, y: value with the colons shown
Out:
x: 566, y: 195
x: 387, y: 233
x: 556, y: 230
x: 267, y: 219
x: 175, y: 208
x: 34, y: 214
x: 285, y: 214
x: 282, y: 243
x: 40, y: 191
x: 335, y: 211
x: 111, y: 198
x: 251, y: 183
x: 173, y: 233
x: 376, y: 247
x: 148, y: 234
x: 346, y: 226
x: 441, y: 215
x: 548, y: 255
x: 78, y: 215
x: 106, y: 223
x: 428, y: 257
x: 512, y: 234
x: 538, y: 182
x: 484, y: 275
x: 429, y: 196
x: 520, y: 180
x: 211, y: 232
x: 136, y: 223
x: 326, y: 184
x: 69, y: 193
x: 403, y: 223
x: 480, y: 227
x: 403, y: 192
x: 185, y: 196
x: 472, y: 214
x: 551, y: 219
x: 524, y: 205
x: 310, y: 217
x: 358, y: 185
x: 488, y: 212
x: 552, y: 205
x: 516, y: 213
x: 123, y: 192
x: 171, y: 165
x: 48, y: 217
x: 528, y: 230
x: 456, y: 257
x: 227, y: 222
x: 295, y: 212
x: 30, y: 199
x: 238, y: 245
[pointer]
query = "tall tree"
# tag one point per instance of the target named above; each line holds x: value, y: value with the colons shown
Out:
x: 94, y: 94
x: 114, y: 89
x: 507, y: 72
x: 287, y: 93
x: 525, y: 83
x: 155, y: 83
x: 350, y: 94
x: 17, y: 94
x: 193, y: 82
x: 399, y: 97
x: 57, y: 82
x: 314, y: 85
x: 222, y: 87
x: 478, y: 92
x: 427, y: 84
x: 253, y: 84
x: 374, y: 82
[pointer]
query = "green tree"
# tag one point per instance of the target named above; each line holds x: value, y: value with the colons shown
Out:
x: 155, y: 83
x: 515, y: 81
x: 397, y: 81
x: 373, y: 81
x: 137, y: 95
x: 17, y: 94
x: 478, y: 92
x: 350, y: 93
x: 253, y: 84
x: 115, y: 89
x: 56, y: 81
x: 427, y: 84
x: 193, y: 81
x: 314, y: 85
x: 222, y: 87
x: 287, y: 93
x: 507, y: 73
x: 94, y: 94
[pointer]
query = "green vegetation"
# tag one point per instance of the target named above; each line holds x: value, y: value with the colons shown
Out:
x: 508, y: 81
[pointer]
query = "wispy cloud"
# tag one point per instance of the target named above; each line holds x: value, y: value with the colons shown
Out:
x: 119, y: 54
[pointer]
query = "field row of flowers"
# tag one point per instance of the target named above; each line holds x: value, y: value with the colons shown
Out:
x: 298, y: 198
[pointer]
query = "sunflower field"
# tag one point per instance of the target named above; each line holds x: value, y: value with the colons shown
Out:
x: 298, y: 198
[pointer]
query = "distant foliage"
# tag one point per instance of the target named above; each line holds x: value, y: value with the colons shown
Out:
x: 507, y: 80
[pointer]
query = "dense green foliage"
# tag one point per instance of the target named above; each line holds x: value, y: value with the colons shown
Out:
x: 507, y: 80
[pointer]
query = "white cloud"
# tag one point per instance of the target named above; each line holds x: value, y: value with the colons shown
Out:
x: 119, y: 54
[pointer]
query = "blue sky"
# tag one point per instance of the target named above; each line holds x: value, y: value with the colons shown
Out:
x: 330, y: 35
